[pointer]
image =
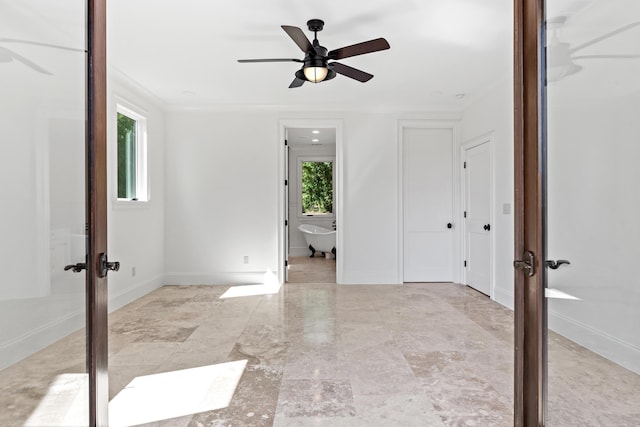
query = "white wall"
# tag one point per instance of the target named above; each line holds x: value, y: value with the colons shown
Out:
x: 222, y: 194
x: 492, y: 115
x: 136, y: 229
x: 297, y: 243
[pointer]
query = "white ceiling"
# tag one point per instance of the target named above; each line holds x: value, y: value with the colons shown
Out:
x: 443, y: 52
x: 311, y: 136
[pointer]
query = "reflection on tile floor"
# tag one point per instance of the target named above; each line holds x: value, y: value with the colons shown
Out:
x: 319, y: 354
x: 318, y: 269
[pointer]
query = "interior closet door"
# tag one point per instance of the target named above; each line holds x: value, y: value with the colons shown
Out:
x: 477, y: 217
x: 53, y: 220
x: 427, y: 205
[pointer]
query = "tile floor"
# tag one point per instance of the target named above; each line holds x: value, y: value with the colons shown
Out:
x: 318, y: 354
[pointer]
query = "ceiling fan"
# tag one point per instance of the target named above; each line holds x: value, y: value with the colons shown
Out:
x: 8, y: 55
x: 316, y: 66
x: 561, y: 55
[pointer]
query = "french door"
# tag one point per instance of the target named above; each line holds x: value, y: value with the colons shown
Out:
x: 53, y: 294
x: 577, y: 198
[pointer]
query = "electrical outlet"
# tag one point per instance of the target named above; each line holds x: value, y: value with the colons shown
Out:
x: 133, y: 271
x: 246, y: 259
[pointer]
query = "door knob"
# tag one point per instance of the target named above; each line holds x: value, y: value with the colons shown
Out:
x: 487, y: 227
x: 449, y: 225
x: 554, y: 265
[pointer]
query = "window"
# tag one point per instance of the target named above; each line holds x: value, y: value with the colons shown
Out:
x: 316, y: 187
x: 131, y: 155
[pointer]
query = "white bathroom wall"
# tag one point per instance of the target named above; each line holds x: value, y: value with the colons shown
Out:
x: 492, y: 115
x: 136, y: 229
x: 297, y: 243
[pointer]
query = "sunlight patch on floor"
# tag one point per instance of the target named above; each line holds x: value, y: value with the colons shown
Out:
x: 269, y: 287
x: 66, y: 403
x: 167, y: 395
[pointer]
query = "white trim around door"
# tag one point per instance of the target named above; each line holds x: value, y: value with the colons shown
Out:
x: 337, y: 124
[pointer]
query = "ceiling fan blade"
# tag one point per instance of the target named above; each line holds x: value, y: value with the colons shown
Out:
x: 297, y: 35
x: 606, y: 57
x: 359, y: 49
x: 605, y: 36
x: 351, y: 72
x: 27, y: 62
x: 243, y: 61
x: 296, y: 83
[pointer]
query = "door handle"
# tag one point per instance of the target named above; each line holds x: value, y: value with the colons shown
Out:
x: 554, y: 265
x: 105, y: 265
x: 527, y: 264
x: 76, y: 268
x: 449, y: 225
x: 486, y: 227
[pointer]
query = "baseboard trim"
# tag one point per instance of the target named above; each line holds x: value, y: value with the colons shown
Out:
x: 608, y: 346
x: 503, y: 297
x: 217, y: 278
x: 132, y: 293
x: 18, y: 348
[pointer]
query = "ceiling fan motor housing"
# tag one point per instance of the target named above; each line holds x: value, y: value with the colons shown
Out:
x: 315, y: 25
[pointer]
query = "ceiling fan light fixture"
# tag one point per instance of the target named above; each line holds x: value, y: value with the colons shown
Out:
x: 315, y: 74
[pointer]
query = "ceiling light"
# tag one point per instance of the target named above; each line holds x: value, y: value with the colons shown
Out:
x: 315, y: 131
x: 315, y: 74
x: 315, y: 140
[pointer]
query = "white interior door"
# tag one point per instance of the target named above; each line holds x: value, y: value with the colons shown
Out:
x: 427, y: 205
x: 477, y: 220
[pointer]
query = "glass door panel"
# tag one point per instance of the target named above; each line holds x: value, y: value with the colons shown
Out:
x: 43, y: 377
x: 593, y: 200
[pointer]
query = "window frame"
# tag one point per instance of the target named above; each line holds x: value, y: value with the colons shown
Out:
x: 143, y: 194
x: 332, y: 160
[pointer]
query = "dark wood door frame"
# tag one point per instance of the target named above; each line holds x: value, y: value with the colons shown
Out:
x: 96, y: 214
x: 530, y: 315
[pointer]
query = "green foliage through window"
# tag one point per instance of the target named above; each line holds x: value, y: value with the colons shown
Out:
x: 126, y: 157
x: 317, y: 188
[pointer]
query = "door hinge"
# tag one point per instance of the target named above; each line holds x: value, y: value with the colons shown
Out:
x: 286, y: 182
x: 286, y: 143
x: 286, y: 222
x: 286, y: 263
x: 465, y: 214
x: 465, y: 263
x: 527, y: 263
x: 464, y: 165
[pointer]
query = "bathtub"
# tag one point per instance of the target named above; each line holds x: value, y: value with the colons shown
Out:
x: 319, y: 239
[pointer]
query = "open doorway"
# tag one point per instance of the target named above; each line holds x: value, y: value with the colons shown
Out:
x: 310, y: 207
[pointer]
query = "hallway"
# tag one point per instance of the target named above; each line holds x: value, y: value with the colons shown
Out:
x: 328, y: 355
